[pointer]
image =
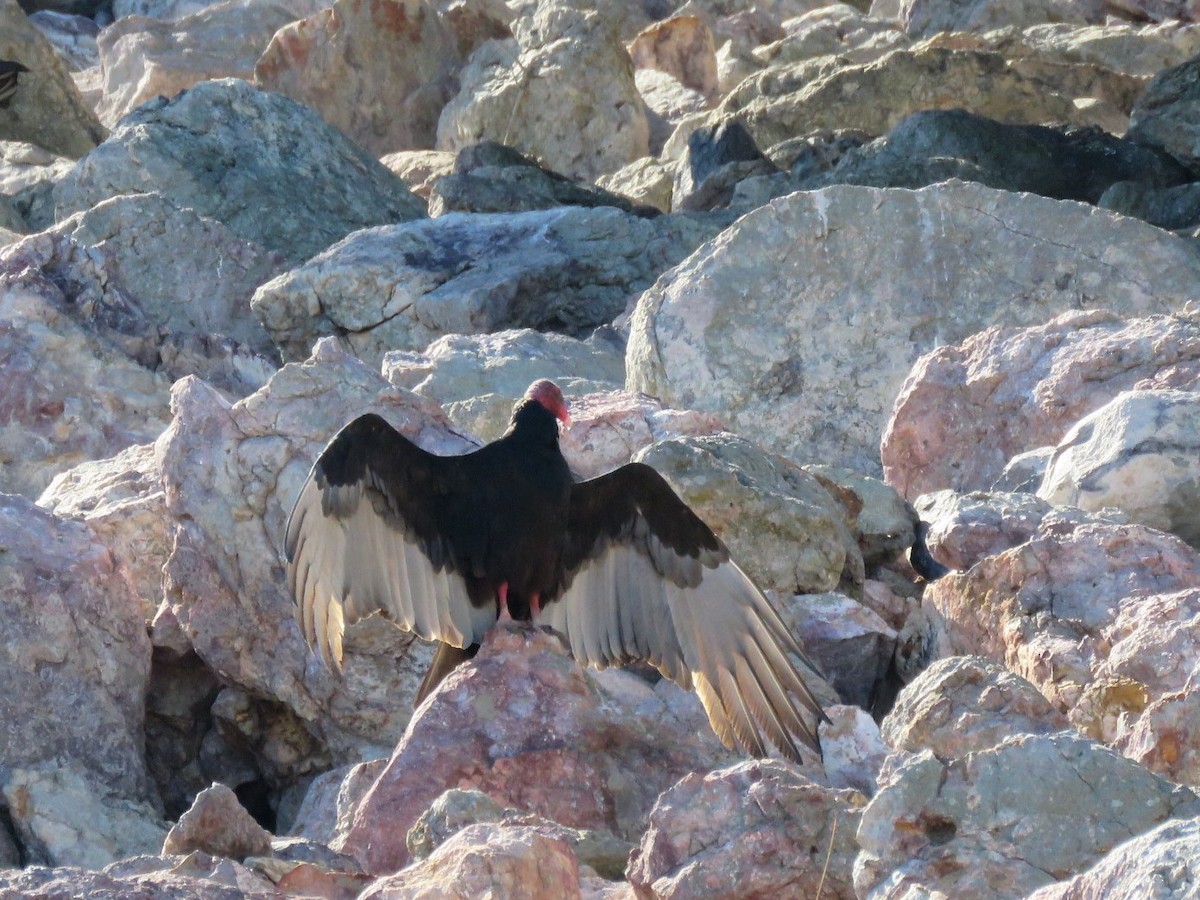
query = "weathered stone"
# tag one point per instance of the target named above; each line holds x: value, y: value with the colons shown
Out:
x: 682, y: 46
x: 163, y: 884
x: 420, y: 169
x: 1137, y: 453
x: 1173, y: 208
x: 1047, y: 609
x: 489, y: 177
x: 833, y: 29
x: 964, y: 704
x: 922, y: 18
x: 266, y: 167
x: 779, y: 522
x: 966, y: 528
x: 399, y: 288
x: 457, y: 809
x: 848, y: 643
x: 27, y: 176
x: 788, y: 101
x: 488, y: 860
x: 756, y: 830
x: 1165, y: 114
x: 141, y: 59
x: 1003, y: 821
x: 326, y: 813
x: 966, y: 409
x: 218, y: 824
x: 73, y: 36
x: 852, y: 751
x: 189, y: 318
x: 378, y: 70
x: 1063, y: 163
x: 884, y: 524
x: 850, y: 250
x: 563, y: 93
x: 67, y: 396
x: 1165, y: 860
x: 646, y: 182
x: 602, y: 756
x: 46, y: 109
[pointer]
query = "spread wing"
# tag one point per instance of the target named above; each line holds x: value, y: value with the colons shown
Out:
x: 647, y: 579
x: 383, y: 526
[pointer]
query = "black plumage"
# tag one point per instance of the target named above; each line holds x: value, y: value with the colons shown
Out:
x: 618, y: 564
x: 9, y: 72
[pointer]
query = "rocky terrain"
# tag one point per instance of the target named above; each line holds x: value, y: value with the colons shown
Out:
x: 900, y: 296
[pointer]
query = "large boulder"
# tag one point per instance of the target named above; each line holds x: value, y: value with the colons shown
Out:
x: 967, y: 408
x: 47, y: 109
x: 603, y: 749
x: 1003, y: 821
x: 1137, y: 453
x: 563, y: 92
x: 378, y: 70
x: 141, y: 58
x: 399, y: 288
x: 817, y: 291
x: 265, y: 166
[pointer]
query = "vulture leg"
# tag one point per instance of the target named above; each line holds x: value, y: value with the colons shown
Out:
x: 535, y: 605
x: 502, y: 597
x: 445, y: 661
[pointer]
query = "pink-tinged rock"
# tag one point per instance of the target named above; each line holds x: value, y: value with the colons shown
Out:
x: 142, y: 58
x: 488, y: 861
x: 65, y: 395
x: 122, y: 500
x: 966, y: 528
x: 967, y: 408
x: 967, y: 703
x: 754, y: 831
x: 682, y: 46
x: 852, y: 750
x: 608, y: 429
x: 883, y: 599
x: 231, y: 473
x: 1165, y: 738
x: 420, y: 169
x: 325, y: 813
x: 523, y: 723
x: 163, y: 884
x: 378, y: 70
x: 1163, y: 863
x: 218, y: 824
x: 1042, y: 608
x: 999, y: 823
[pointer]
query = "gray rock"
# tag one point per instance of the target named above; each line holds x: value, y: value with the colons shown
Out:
x: 923, y: 18
x: 1165, y: 114
x: 47, y: 109
x: 646, y: 182
x: 964, y: 704
x: 266, y: 167
x: 163, y: 883
x: 779, y: 522
x: 399, y: 288
x: 489, y: 177
x: 1173, y: 208
x: 1001, y: 822
x: 1138, y: 453
x: 564, y: 93
x: 852, y: 250
x: 188, y: 317
x: 73, y: 36
x: 27, y: 176
x: 966, y: 528
x: 1163, y: 860
x: 1063, y: 163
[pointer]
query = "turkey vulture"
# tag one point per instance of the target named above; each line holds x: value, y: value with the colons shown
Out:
x: 618, y: 565
x: 9, y: 72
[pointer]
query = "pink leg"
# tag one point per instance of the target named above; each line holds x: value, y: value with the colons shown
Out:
x: 505, y: 615
x: 535, y: 605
